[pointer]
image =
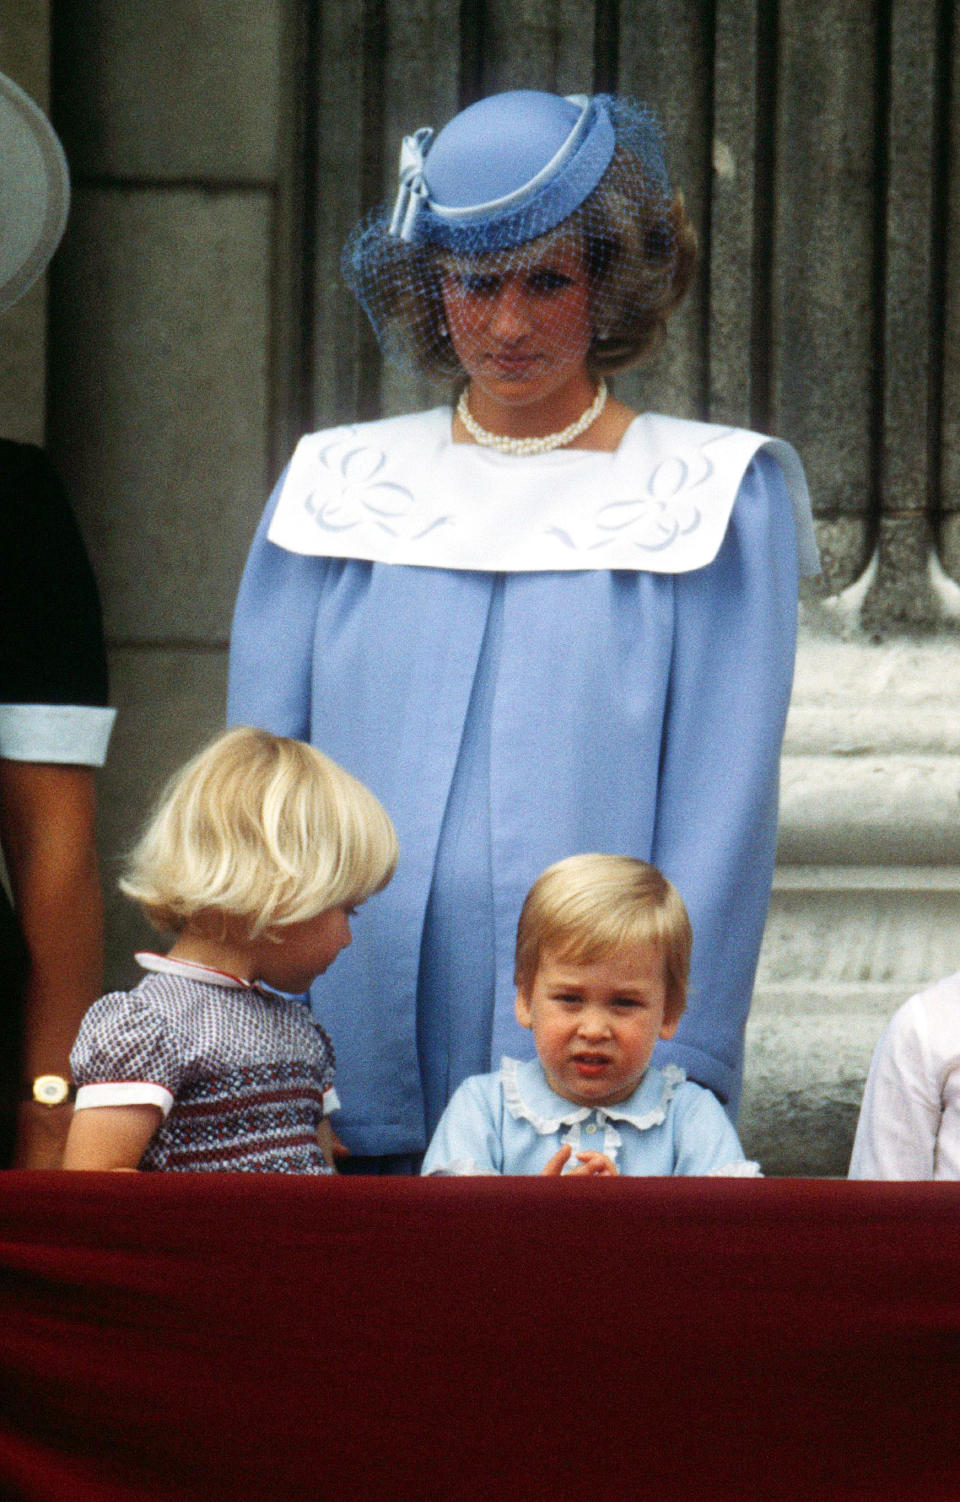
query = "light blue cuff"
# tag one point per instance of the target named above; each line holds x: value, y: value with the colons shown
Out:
x: 77, y: 734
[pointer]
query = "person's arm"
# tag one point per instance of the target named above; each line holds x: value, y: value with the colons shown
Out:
x: 47, y: 835
x: 715, y: 836
x: 54, y: 729
x: 110, y: 1138
x: 129, y: 1062
x: 330, y: 1145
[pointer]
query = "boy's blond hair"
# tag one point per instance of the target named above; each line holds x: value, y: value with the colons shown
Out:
x: 584, y: 908
x: 261, y: 829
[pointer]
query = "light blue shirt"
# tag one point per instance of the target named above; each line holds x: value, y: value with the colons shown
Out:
x: 511, y: 1122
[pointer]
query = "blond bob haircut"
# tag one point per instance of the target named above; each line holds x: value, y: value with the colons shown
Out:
x: 262, y: 830
x: 586, y: 907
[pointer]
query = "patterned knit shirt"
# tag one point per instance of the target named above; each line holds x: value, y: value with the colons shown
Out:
x: 243, y: 1076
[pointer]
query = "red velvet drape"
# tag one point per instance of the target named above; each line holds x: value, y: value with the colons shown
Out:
x: 253, y: 1337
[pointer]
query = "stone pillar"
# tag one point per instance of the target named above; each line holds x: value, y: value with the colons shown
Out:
x: 901, y: 591
x: 164, y: 375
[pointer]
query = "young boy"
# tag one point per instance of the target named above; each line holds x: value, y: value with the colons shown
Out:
x: 602, y: 959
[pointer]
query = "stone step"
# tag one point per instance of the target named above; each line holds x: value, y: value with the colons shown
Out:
x: 866, y: 901
x: 843, y: 948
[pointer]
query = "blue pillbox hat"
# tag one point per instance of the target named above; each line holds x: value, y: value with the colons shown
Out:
x: 509, y: 167
x: 497, y: 181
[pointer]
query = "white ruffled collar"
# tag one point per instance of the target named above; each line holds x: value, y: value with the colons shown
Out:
x: 529, y: 1098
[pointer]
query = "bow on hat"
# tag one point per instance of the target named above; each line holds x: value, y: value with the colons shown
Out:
x: 413, y: 188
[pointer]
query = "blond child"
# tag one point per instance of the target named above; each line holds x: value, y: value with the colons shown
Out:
x: 602, y: 959
x: 256, y: 857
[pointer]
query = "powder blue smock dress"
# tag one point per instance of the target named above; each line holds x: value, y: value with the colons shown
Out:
x: 508, y: 719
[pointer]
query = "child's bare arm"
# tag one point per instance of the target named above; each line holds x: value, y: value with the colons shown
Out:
x: 330, y: 1144
x: 593, y: 1163
x: 110, y: 1137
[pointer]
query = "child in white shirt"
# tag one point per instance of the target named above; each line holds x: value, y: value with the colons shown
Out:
x: 909, y: 1125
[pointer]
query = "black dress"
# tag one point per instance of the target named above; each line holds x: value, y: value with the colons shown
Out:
x: 51, y: 653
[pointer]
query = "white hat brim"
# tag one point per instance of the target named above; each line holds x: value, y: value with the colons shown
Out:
x: 34, y: 192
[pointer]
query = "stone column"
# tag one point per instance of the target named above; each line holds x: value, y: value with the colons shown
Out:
x: 162, y: 356
x: 901, y: 591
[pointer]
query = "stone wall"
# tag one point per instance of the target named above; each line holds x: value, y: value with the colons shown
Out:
x: 866, y: 903
x: 221, y: 150
x: 165, y: 302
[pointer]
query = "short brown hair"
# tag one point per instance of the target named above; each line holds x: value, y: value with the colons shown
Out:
x: 585, y: 907
x: 639, y: 250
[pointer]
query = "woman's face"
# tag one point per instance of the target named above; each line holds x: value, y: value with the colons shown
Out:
x: 522, y: 332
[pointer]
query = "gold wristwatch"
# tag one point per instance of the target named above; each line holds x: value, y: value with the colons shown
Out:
x: 51, y: 1090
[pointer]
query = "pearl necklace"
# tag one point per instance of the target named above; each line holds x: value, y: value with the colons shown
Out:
x: 543, y: 445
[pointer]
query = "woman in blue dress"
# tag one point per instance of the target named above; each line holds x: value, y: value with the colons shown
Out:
x: 538, y: 623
